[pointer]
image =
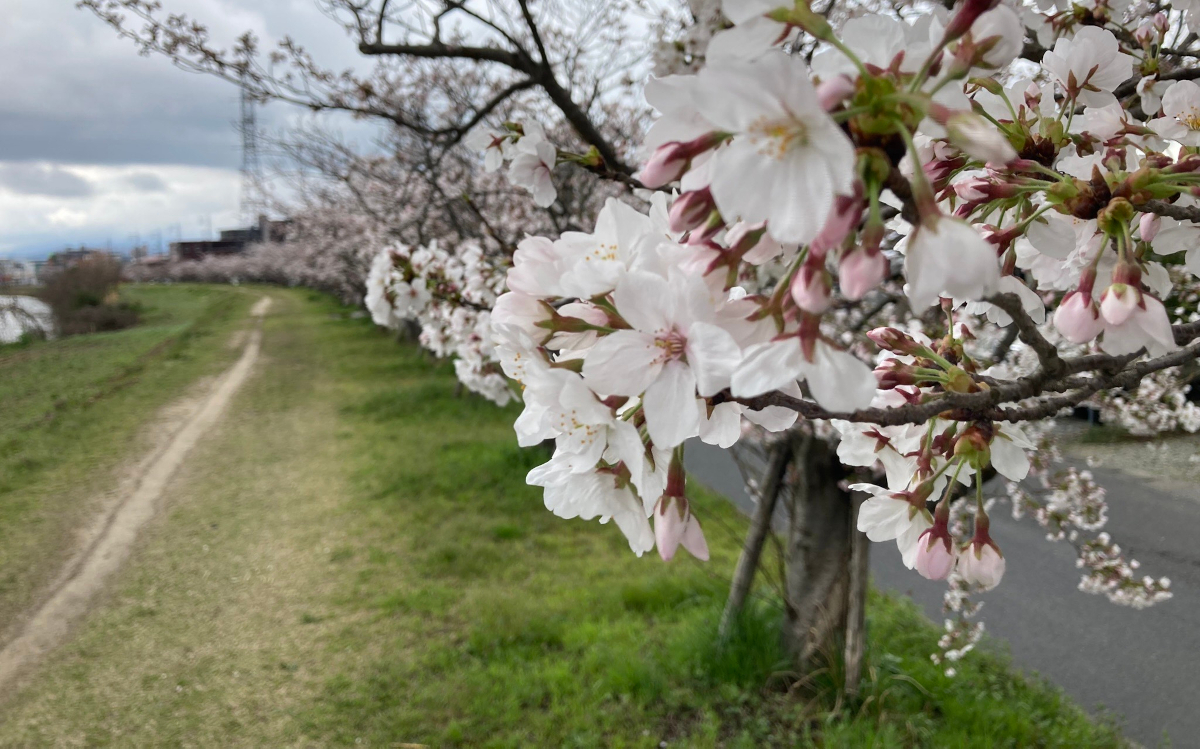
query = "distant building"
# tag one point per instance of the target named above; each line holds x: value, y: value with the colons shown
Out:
x: 18, y: 272
x: 232, y: 241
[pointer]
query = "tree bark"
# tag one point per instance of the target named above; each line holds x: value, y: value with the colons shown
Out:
x: 856, y: 605
x: 760, y: 526
x: 818, y: 564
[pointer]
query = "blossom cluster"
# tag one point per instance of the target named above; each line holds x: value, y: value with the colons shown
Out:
x: 326, y: 248
x: 1072, y: 508
x: 448, y: 294
x: 531, y: 158
x: 783, y: 182
x: 1158, y: 405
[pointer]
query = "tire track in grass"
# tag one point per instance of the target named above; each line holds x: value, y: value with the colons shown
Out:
x: 49, y: 624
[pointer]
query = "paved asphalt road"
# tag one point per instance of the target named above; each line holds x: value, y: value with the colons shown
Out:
x: 1143, y: 666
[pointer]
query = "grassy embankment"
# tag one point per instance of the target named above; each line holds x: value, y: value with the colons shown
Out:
x: 73, y: 409
x: 353, y: 558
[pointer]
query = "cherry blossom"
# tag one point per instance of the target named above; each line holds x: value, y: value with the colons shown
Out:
x: 1181, y: 114
x: 784, y: 150
x: 874, y: 230
x: 531, y: 168
x: 946, y: 257
x: 1089, y: 65
x: 672, y: 351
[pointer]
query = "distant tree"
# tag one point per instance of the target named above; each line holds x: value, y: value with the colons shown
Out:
x: 83, y: 296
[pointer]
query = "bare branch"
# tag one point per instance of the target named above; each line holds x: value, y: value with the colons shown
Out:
x: 1027, y: 329
x: 1170, y: 210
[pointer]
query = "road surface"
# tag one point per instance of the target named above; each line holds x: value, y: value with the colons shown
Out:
x: 1143, y: 666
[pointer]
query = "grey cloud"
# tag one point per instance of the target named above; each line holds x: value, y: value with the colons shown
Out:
x: 91, y: 99
x: 147, y: 182
x: 44, y: 179
x: 78, y: 94
x: 117, y: 140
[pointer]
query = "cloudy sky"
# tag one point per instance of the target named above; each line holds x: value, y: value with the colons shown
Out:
x: 99, y: 145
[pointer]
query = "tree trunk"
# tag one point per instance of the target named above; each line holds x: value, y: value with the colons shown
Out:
x: 818, y: 564
x: 409, y: 331
x: 760, y: 526
x: 826, y: 571
x: 856, y: 607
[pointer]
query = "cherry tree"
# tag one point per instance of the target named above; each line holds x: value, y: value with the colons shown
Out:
x: 882, y: 246
x: 1010, y: 195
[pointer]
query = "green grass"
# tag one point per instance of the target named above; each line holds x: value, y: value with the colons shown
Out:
x: 1106, y: 434
x: 353, y: 559
x: 74, y: 408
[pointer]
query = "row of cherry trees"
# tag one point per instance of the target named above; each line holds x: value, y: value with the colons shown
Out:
x: 881, y: 246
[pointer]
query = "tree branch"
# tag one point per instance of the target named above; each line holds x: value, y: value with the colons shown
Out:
x: 1027, y: 329
x: 899, y: 185
x: 1111, y: 373
x: 1170, y: 210
x: 438, y: 51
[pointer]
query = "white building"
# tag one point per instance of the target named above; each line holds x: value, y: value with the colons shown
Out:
x: 18, y: 272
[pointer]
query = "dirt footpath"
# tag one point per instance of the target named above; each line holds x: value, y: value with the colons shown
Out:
x: 48, y: 625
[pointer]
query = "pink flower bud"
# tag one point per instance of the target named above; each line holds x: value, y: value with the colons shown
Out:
x: 670, y: 160
x: 1161, y: 23
x: 981, y: 563
x: 860, y: 271
x: 1148, y: 226
x: 895, y: 340
x: 1077, y: 317
x: 691, y: 209
x: 834, y: 91
x: 892, y: 373
x: 936, y: 554
x: 1145, y: 33
x: 666, y: 164
x: 811, y: 288
x: 674, y: 525
x: 1118, y: 303
x: 844, y: 218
